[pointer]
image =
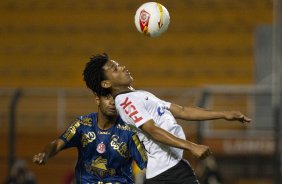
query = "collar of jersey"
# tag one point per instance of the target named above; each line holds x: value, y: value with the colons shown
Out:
x: 123, y: 93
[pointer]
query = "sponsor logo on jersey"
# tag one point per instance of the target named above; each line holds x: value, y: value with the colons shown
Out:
x: 71, y: 130
x: 124, y: 127
x: 86, y: 121
x: 87, y: 138
x: 99, y: 167
x: 161, y: 110
x: 120, y: 147
x: 104, y: 132
x: 131, y: 110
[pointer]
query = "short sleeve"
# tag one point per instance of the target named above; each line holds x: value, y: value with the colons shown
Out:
x: 167, y: 104
x: 71, y: 135
x: 137, y: 151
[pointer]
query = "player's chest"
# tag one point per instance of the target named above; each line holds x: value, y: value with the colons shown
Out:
x: 104, y: 143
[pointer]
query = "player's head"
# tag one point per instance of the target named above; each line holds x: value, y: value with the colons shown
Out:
x: 93, y: 74
x: 106, y: 105
x: 102, y: 74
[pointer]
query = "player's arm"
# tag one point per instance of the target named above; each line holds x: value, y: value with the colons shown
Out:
x: 49, y: 151
x: 198, y: 114
x: 162, y: 136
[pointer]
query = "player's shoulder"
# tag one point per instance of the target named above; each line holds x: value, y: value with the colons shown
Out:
x: 123, y: 127
x: 88, y: 119
x: 136, y: 95
x: 143, y: 95
x: 139, y: 93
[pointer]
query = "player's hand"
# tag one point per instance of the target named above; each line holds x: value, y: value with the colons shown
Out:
x: 201, y: 151
x: 40, y: 159
x: 236, y: 116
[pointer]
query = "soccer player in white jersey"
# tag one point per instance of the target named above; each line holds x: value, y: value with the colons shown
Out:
x: 154, y: 120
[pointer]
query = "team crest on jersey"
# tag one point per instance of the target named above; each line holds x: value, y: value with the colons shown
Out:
x: 101, y: 148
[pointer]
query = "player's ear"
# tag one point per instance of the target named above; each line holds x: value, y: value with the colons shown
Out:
x: 97, y: 99
x: 106, y: 84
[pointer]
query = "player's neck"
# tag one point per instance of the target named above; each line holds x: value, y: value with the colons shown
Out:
x: 105, y: 122
x: 121, y: 89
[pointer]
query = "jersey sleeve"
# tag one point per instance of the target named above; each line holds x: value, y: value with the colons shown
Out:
x: 167, y: 104
x: 132, y: 110
x: 71, y: 135
x: 137, y: 151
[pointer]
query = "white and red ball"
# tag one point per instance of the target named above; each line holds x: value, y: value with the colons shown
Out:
x: 152, y: 19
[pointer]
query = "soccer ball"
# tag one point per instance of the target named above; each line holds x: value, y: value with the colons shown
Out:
x: 152, y: 19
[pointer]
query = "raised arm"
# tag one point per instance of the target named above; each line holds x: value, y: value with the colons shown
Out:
x: 49, y: 151
x: 198, y: 114
x: 162, y: 136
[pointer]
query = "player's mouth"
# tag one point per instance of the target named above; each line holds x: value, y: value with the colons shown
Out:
x: 112, y: 109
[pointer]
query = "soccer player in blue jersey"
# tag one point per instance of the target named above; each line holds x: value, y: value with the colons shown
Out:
x: 154, y: 120
x: 106, y: 146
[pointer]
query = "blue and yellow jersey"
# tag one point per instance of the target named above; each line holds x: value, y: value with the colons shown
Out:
x: 104, y: 156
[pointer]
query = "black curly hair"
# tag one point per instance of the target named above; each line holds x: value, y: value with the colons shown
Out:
x: 93, y: 74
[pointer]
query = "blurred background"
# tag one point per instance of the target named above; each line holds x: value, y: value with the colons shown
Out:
x: 217, y: 54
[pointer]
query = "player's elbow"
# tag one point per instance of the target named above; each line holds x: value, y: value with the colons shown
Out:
x: 178, y: 111
x: 154, y: 133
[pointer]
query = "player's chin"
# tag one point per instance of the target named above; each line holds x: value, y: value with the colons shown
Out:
x: 128, y: 77
x: 111, y: 112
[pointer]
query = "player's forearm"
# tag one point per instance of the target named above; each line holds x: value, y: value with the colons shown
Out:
x: 198, y: 114
x: 165, y: 137
x: 195, y: 113
x: 162, y: 136
x: 200, y: 151
x: 51, y: 149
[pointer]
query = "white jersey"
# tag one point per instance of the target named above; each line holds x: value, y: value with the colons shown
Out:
x: 138, y: 107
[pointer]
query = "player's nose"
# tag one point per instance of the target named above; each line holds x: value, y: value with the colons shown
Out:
x: 123, y: 68
x: 112, y: 101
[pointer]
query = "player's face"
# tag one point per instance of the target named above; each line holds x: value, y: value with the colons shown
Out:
x: 106, y: 105
x: 117, y: 74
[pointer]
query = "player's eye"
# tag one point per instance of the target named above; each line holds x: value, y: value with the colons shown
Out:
x: 114, y: 68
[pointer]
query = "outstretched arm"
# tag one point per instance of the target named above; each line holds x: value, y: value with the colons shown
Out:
x: 49, y: 151
x: 162, y: 136
x: 198, y: 114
